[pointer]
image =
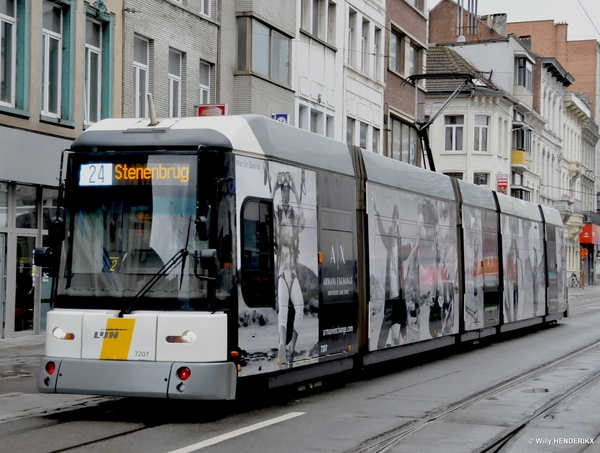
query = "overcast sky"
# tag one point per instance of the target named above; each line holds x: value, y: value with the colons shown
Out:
x: 573, y: 12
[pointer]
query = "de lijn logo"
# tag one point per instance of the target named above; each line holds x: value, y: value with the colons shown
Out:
x: 108, y: 334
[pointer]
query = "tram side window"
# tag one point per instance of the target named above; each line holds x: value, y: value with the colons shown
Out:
x: 258, y: 268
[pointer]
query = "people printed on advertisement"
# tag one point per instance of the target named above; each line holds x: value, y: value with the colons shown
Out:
x: 414, y: 268
x: 290, y: 224
x: 282, y: 329
x: 394, y: 311
x: 512, y: 269
x: 447, y: 275
x: 473, y: 250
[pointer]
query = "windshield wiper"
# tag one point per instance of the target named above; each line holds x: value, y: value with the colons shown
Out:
x: 166, y: 269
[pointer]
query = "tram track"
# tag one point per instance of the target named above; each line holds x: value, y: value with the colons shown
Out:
x: 385, y: 442
x: 502, y: 444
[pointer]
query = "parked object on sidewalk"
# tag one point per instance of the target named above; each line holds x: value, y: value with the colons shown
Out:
x: 575, y: 282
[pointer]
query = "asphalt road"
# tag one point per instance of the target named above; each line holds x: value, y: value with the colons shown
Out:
x: 515, y: 391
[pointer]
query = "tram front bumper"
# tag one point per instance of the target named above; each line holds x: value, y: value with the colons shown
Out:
x: 207, y: 381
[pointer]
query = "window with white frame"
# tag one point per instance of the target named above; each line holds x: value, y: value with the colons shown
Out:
x: 411, y: 60
x: 205, y: 7
x: 329, y: 126
x: 318, y: 19
x: 350, y: 122
x: 521, y: 194
x: 375, y: 140
x: 205, y: 76
x: 480, y: 135
x: 525, y: 73
x: 263, y: 50
x: 364, y: 47
x: 331, y: 21
x: 418, y: 4
x: 141, y: 57
x: 522, y: 139
x: 303, y: 117
x: 376, y: 51
x: 175, y: 59
x: 316, y: 122
x: 351, y: 46
x: 406, y: 55
x: 404, y: 142
x: 315, y: 119
x: 93, y: 71
x: 457, y: 175
x: 454, y: 132
x: 363, y: 128
x: 8, y: 51
x: 52, y: 45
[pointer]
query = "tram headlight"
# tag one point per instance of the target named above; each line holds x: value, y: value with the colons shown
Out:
x: 186, y: 337
x: 60, y: 334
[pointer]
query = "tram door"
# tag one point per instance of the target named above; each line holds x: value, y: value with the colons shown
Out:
x: 24, y: 288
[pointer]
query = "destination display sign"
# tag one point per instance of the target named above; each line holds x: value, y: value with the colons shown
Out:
x: 109, y: 174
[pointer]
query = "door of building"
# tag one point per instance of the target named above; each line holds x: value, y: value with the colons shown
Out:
x: 24, y: 287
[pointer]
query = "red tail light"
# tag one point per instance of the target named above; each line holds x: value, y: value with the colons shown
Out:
x: 184, y: 373
x: 50, y: 368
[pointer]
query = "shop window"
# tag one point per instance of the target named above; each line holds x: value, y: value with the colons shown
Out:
x: 25, y: 207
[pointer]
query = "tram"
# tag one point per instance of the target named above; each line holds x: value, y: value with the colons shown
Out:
x: 190, y: 255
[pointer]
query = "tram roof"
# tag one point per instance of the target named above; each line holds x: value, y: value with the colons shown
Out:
x: 477, y: 196
x: 247, y: 134
x: 552, y: 216
x: 518, y: 207
x: 407, y: 177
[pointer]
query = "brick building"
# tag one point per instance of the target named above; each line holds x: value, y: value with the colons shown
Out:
x: 407, y: 44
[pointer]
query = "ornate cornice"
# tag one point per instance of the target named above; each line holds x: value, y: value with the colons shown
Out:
x: 100, y: 8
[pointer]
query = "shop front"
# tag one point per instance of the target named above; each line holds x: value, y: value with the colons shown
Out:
x: 589, y: 266
x: 29, y: 169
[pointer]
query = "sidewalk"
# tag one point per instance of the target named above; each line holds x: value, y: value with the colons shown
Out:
x: 19, y: 361
x: 574, y: 293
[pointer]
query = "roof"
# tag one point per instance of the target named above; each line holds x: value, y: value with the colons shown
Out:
x: 444, y: 60
x: 254, y: 135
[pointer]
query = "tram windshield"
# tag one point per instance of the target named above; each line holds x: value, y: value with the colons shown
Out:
x: 128, y: 216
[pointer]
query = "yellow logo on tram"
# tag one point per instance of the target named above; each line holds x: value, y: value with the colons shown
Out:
x: 117, y: 339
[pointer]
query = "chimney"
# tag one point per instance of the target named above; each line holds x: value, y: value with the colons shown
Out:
x: 499, y: 23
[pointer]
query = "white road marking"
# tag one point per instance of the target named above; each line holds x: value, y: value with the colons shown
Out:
x: 237, y: 432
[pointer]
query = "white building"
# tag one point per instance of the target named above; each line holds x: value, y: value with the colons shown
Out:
x: 362, y: 81
x: 318, y: 50
x: 471, y: 139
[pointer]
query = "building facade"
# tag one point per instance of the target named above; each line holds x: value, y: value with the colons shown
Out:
x: 471, y: 138
x: 579, y: 186
x: 60, y: 73
x: 406, y: 44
